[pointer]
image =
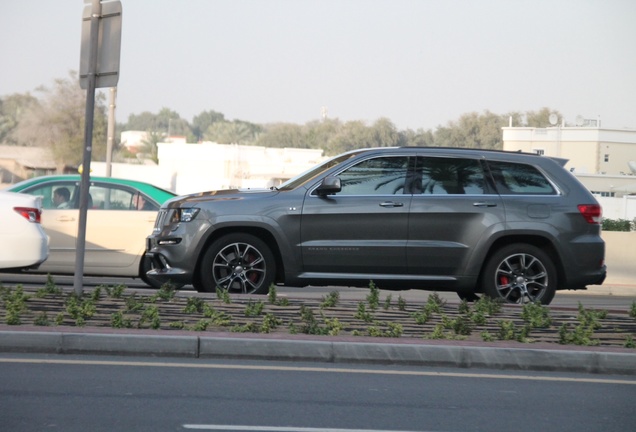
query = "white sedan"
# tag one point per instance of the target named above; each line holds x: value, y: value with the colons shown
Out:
x: 24, y: 243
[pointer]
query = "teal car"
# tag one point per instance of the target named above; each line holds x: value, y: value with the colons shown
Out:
x: 120, y: 216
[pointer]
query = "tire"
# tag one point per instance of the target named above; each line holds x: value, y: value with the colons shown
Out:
x: 145, y: 266
x: 239, y: 263
x: 520, y: 273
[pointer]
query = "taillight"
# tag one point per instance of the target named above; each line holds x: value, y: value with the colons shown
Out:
x: 593, y: 213
x: 31, y: 214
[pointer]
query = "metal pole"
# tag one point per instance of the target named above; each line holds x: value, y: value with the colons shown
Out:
x: 96, y: 12
x: 111, y: 131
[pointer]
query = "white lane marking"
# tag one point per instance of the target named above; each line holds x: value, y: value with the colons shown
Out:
x: 282, y: 429
x: 317, y: 369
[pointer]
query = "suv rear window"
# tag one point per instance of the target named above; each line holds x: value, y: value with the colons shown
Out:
x: 519, y: 179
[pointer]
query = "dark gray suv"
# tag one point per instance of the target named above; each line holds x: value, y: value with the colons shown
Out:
x: 514, y: 226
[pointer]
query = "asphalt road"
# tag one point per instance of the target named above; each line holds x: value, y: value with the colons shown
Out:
x: 77, y: 393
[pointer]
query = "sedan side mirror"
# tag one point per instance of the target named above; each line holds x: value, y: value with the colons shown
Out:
x: 329, y: 186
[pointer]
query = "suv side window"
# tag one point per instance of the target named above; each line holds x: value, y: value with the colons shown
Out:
x: 519, y: 179
x: 448, y: 176
x: 377, y: 176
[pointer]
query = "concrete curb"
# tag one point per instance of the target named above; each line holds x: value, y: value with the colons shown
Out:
x: 528, y: 359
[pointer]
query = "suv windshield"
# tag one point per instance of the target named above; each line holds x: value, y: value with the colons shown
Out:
x: 303, y: 178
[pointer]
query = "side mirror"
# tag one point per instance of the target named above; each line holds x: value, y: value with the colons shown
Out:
x: 329, y: 186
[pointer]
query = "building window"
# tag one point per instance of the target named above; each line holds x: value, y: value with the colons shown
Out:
x: 606, y: 158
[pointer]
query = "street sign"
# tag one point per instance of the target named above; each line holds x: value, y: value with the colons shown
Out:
x: 109, y: 45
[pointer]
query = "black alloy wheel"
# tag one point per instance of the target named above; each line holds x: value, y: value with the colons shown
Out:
x: 520, y: 273
x: 238, y: 263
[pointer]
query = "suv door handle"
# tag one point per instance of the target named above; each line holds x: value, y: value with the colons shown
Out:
x: 485, y: 204
x: 391, y: 204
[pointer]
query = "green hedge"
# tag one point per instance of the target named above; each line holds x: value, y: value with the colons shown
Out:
x: 619, y: 225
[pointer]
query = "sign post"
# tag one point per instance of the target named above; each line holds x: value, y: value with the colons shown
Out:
x: 99, y: 67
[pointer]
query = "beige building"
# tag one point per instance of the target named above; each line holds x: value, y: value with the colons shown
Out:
x: 603, y: 159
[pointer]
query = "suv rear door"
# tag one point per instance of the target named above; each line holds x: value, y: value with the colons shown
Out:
x: 454, y: 210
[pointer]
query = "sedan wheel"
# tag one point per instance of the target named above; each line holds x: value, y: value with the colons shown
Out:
x: 520, y: 273
x: 238, y: 263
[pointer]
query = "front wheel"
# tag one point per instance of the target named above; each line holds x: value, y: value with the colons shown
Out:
x: 238, y: 263
x: 520, y: 273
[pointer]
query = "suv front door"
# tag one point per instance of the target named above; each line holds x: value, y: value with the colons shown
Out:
x: 362, y: 229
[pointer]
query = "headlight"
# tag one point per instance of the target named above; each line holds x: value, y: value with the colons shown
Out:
x: 187, y: 214
x: 183, y: 215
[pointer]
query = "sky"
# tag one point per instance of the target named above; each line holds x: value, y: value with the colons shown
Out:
x: 419, y: 63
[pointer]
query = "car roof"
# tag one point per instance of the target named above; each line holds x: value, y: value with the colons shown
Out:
x: 151, y: 190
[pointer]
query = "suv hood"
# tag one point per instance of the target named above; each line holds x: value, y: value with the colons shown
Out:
x: 220, y: 195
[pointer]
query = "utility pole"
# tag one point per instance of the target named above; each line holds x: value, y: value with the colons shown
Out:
x: 101, y: 43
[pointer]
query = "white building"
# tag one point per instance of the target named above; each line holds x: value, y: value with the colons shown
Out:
x: 187, y: 168
x: 604, y: 160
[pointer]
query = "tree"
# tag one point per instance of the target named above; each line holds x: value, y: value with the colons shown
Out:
x: 281, y: 135
x: 201, y: 122
x: 166, y: 122
x: 236, y: 132
x: 57, y: 122
x: 12, y: 110
x: 419, y: 138
x: 473, y: 130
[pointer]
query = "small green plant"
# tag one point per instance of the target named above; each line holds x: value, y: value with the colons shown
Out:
x: 486, y: 336
x: 394, y: 330
x: 194, y: 305
x: 15, y: 304
x: 507, y: 330
x: 80, y: 309
x: 216, y: 318
x: 42, y: 319
x: 434, y: 303
x: 119, y: 320
x: 331, y: 300
x: 134, y: 303
x: 580, y: 335
x: 632, y: 310
x: 387, y: 302
x: 116, y: 292
x: 272, y: 296
x: 373, y: 298
x: 96, y: 294
x: 334, y: 326
x: 49, y: 288
x: 421, y: 316
x: 223, y: 295
x: 166, y: 292
x: 310, y: 323
x: 201, y: 325
x: 254, y: 308
x: 536, y: 315
x: 177, y: 325
x: 401, y: 303
x: 150, y: 315
x: 270, y: 322
x: 460, y: 325
x: 362, y: 313
x: 629, y: 342
x: 488, y: 306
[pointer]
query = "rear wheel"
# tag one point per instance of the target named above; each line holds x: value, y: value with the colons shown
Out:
x: 520, y: 273
x: 239, y: 263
